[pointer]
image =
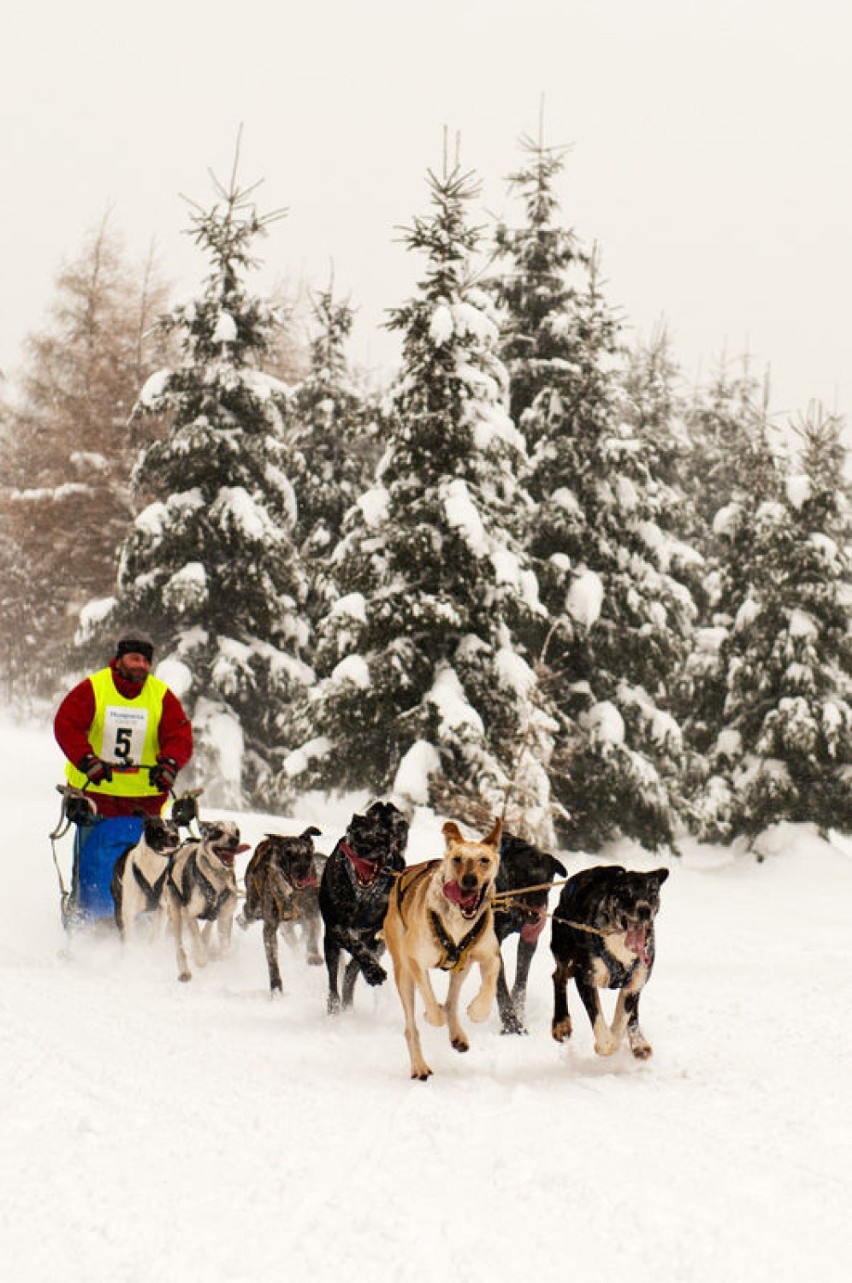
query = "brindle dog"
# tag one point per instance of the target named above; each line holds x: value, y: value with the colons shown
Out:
x: 603, y: 937
x: 282, y: 887
x: 353, y: 897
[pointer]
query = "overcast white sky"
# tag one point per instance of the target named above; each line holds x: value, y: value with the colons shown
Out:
x: 711, y: 151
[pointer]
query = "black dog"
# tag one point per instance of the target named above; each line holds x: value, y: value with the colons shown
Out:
x: 354, y: 890
x: 614, y: 951
x: 521, y: 865
x: 282, y: 888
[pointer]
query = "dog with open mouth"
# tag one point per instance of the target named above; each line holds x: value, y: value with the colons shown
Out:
x: 603, y: 937
x: 202, y: 888
x: 139, y: 877
x: 282, y: 890
x: 353, y: 897
x: 521, y: 906
x: 440, y: 916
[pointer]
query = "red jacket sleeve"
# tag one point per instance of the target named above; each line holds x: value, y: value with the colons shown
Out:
x: 73, y: 721
x: 175, y: 731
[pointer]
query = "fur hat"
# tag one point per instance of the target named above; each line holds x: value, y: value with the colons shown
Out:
x: 135, y: 646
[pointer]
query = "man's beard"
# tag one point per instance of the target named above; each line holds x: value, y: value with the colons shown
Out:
x: 136, y: 676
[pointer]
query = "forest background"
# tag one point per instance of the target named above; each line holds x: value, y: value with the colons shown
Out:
x: 532, y: 566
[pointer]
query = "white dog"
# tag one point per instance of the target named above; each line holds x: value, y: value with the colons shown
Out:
x: 140, y: 874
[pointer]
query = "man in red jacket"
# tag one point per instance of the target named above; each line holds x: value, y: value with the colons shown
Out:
x: 124, y: 733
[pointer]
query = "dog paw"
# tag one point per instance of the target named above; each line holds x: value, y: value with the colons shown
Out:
x: 333, y: 1006
x: 642, y: 1050
x: 561, y: 1029
x: 184, y: 976
x: 513, y: 1027
x: 479, y: 1011
x: 375, y: 975
x: 315, y: 960
x: 421, y: 1074
x: 460, y: 1044
x: 606, y: 1045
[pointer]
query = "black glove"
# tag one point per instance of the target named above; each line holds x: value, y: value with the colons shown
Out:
x: 164, y: 774
x: 97, y: 770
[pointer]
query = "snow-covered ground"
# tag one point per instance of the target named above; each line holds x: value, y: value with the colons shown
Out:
x: 159, y: 1131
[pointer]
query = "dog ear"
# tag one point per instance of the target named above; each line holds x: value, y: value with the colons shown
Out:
x: 493, y: 838
x: 660, y: 875
x: 312, y: 832
x: 559, y: 867
x: 452, y: 832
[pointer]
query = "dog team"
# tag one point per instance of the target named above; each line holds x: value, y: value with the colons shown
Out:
x: 444, y: 914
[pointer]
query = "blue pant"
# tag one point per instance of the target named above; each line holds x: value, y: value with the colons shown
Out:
x: 97, y: 847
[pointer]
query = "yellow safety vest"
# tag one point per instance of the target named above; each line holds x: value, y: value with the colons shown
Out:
x: 124, y: 732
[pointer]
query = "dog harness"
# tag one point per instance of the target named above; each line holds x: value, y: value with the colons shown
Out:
x: 453, y: 953
x: 619, y: 974
x: 405, y: 883
x: 453, y: 959
x: 213, y: 899
x: 151, y: 891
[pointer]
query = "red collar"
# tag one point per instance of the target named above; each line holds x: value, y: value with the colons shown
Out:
x: 366, y: 869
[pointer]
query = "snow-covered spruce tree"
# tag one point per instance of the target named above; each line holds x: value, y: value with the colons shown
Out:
x: 425, y: 690
x: 785, y: 749
x: 619, y: 615
x: 333, y: 433
x: 658, y: 410
x: 545, y: 270
x: 725, y: 494
x: 209, y: 567
x: 727, y: 424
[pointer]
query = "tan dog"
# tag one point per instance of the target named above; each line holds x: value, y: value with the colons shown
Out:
x: 202, y: 887
x: 439, y: 915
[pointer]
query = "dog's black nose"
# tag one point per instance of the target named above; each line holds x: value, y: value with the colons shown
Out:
x: 468, y: 881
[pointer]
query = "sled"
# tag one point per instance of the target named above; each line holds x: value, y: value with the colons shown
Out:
x: 97, y: 849
x: 99, y: 842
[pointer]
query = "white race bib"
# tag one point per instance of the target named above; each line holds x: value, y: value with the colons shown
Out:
x: 124, y: 735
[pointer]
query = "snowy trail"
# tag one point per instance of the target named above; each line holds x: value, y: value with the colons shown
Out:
x: 162, y: 1131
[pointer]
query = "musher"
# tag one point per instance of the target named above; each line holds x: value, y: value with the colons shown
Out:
x: 126, y: 737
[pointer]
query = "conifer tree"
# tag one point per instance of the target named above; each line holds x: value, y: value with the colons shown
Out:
x: 67, y: 452
x: 726, y: 424
x: 334, y: 439
x: 658, y: 411
x: 618, y: 610
x: 425, y: 686
x: 730, y: 471
x: 209, y: 567
x: 784, y: 749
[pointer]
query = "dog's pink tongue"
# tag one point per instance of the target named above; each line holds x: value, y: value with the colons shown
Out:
x: 636, y: 940
x: 454, y: 893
